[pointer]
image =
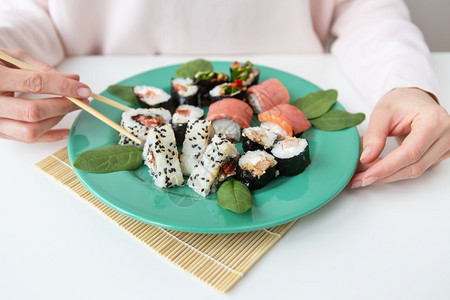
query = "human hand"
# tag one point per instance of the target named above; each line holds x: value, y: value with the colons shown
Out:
x: 31, y: 120
x: 419, y: 123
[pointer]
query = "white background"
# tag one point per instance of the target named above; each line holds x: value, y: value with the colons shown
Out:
x: 380, y: 242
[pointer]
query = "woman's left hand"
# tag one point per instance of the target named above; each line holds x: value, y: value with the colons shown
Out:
x: 422, y: 126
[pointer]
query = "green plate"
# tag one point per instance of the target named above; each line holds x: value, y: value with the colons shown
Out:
x: 334, y: 156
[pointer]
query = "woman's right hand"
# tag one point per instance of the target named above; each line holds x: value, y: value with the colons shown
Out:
x: 31, y: 120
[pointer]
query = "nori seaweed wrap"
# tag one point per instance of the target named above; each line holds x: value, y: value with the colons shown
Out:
x: 246, y: 72
x: 206, y: 81
x: 292, y: 155
x: 228, y: 90
x: 256, y: 169
x: 153, y: 97
x: 257, y: 138
x: 180, y: 118
x: 184, y: 91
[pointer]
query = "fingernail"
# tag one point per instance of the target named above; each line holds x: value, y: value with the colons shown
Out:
x: 369, y: 181
x: 84, y: 92
x: 365, y: 152
x: 356, y: 184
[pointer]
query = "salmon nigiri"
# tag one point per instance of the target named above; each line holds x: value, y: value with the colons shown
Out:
x: 286, y: 116
x: 267, y: 94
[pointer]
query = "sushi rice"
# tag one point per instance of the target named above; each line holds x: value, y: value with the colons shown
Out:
x: 160, y: 154
x: 217, y: 163
x: 198, y: 135
x: 130, y: 122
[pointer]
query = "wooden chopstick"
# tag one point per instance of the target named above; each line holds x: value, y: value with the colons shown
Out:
x: 89, y: 109
x: 110, y: 102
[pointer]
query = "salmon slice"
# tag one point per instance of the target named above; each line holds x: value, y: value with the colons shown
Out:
x: 267, y: 94
x: 288, y: 117
x: 231, y: 109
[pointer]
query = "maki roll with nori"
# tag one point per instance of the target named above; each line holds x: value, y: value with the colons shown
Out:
x: 206, y: 81
x: 184, y: 91
x: 292, y: 155
x: 228, y: 90
x: 161, y: 156
x: 247, y: 73
x: 217, y: 163
x: 256, y: 169
x: 153, y: 97
x: 257, y: 138
x: 138, y: 121
x: 180, y: 118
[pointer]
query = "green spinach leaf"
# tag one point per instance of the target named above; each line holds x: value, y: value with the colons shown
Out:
x: 189, y: 69
x: 109, y: 159
x: 337, y: 119
x: 235, y: 196
x: 316, y: 104
x: 125, y: 93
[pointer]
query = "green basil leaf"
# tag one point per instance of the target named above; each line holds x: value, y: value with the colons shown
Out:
x: 235, y: 196
x: 189, y: 69
x: 316, y: 104
x: 125, y: 93
x: 337, y: 119
x: 109, y: 159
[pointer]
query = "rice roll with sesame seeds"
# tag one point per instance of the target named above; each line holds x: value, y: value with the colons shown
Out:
x: 198, y: 136
x: 180, y: 118
x: 161, y: 156
x: 217, y: 163
x: 292, y: 155
x: 257, y: 138
x: 138, y: 121
x: 153, y: 97
x: 184, y: 91
x: 256, y: 169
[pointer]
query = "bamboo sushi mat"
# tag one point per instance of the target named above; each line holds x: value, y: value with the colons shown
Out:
x: 220, y: 260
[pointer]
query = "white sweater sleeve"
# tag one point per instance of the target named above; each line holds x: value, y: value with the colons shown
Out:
x: 379, y: 48
x: 27, y: 25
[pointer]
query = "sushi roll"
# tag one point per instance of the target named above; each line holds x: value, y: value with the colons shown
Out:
x: 256, y: 169
x: 217, y: 163
x: 138, y: 121
x: 182, y: 115
x: 206, y: 81
x: 228, y: 90
x: 275, y: 128
x: 287, y: 117
x: 247, y: 73
x: 292, y: 155
x: 184, y: 91
x: 229, y: 116
x: 257, y: 138
x: 153, y: 97
x: 161, y: 156
x: 228, y: 128
x: 267, y: 94
x: 198, y: 136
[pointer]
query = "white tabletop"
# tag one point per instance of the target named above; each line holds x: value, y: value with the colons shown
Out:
x: 381, y: 242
